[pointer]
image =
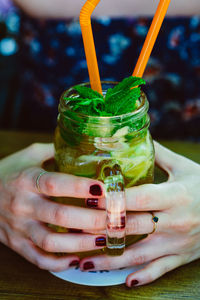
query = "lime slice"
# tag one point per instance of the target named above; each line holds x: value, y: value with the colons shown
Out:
x: 132, y: 168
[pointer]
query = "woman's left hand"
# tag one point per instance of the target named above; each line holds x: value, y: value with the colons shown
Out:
x: 176, y: 240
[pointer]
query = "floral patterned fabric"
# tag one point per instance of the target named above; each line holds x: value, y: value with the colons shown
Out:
x: 52, y: 59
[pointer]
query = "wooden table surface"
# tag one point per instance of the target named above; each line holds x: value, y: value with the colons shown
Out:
x: 20, y: 279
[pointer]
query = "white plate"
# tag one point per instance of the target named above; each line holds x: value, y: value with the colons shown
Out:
x: 96, y: 278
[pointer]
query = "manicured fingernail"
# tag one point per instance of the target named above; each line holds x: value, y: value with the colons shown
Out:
x: 88, y: 265
x: 134, y: 282
x: 123, y: 222
x: 74, y: 263
x: 95, y: 190
x: 92, y: 202
x: 73, y: 230
x: 100, y: 241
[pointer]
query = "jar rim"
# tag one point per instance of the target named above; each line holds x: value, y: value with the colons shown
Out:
x: 141, y: 109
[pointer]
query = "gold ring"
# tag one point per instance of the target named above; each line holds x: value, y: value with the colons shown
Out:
x: 38, y: 180
x: 155, y: 222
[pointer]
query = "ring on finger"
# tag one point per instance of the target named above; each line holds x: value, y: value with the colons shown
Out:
x: 38, y: 180
x: 155, y: 222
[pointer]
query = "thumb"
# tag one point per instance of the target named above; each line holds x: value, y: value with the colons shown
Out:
x: 167, y: 159
x: 39, y: 152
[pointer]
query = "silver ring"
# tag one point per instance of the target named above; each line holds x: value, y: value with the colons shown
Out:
x: 155, y: 222
x: 38, y: 180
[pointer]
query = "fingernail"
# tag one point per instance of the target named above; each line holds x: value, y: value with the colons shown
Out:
x: 100, y: 241
x: 74, y: 263
x: 73, y: 230
x: 123, y: 222
x: 134, y: 282
x: 88, y: 265
x: 95, y: 190
x: 92, y: 203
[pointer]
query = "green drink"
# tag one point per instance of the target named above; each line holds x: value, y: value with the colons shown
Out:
x: 116, y: 150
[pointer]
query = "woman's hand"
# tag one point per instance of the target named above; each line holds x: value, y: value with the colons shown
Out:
x: 24, y: 210
x: 176, y: 240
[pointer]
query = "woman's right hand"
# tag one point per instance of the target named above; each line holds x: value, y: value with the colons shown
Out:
x: 25, y: 211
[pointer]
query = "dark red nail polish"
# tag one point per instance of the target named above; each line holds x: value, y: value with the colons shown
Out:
x: 74, y: 263
x: 88, y: 265
x: 73, y: 230
x: 92, y: 202
x: 95, y: 190
x: 123, y: 222
x: 134, y: 282
x: 100, y: 241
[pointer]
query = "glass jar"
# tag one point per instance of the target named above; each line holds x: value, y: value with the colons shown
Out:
x: 103, y: 147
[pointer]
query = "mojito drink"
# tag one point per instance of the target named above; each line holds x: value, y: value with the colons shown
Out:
x: 116, y: 150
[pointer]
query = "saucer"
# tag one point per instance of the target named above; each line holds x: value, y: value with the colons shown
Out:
x: 96, y: 278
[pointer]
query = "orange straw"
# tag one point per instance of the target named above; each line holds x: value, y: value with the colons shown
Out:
x: 88, y: 41
x: 151, y: 38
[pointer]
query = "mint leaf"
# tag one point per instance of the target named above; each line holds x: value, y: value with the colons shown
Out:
x: 119, y: 100
x: 125, y: 84
x: 85, y: 92
x: 92, y: 107
x: 124, y: 102
x: 122, y: 98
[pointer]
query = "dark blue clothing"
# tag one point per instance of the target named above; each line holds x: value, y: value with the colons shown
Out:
x: 52, y: 59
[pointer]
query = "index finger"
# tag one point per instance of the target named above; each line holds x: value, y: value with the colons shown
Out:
x: 63, y: 185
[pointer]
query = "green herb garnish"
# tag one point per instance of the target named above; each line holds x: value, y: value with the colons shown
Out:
x: 119, y: 100
x: 123, y: 97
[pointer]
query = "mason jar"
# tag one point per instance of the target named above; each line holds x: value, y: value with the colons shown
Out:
x: 101, y: 148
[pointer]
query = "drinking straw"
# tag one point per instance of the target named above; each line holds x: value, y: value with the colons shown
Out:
x: 88, y: 41
x: 151, y: 38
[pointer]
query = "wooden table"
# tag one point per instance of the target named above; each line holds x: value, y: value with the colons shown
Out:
x: 20, y: 279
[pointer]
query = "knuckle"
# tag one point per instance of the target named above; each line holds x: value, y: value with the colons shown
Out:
x: 14, y: 206
x: 182, y: 226
x: 135, y: 225
x: 40, y: 263
x: 47, y: 243
x: 183, y: 194
x: 49, y: 184
x: 19, y: 180
x: 13, y: 223
x: 10, y: 240
x: 83, y: 244
x: 186, y: 227
x: 142, y: 201
x: 59, y: 216
x: 98, y: 222
x: 139, y: 260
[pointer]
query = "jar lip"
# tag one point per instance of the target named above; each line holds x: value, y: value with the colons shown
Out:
x: 141, y: 109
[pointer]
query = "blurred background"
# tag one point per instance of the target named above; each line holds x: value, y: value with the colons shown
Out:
x: 9, y: 51
x: 40, y: 58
